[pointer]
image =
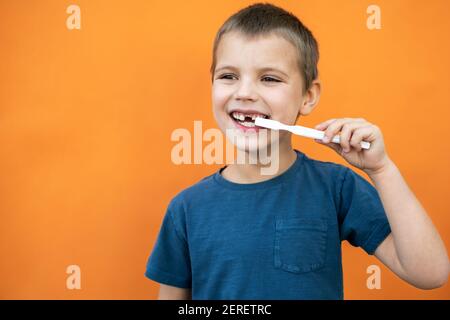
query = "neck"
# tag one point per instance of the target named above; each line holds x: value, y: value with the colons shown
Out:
x: 251, y: 173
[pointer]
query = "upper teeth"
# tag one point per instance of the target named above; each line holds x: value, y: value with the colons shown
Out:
x: 241, y: 116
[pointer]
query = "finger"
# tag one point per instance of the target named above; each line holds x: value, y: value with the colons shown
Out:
x: 358, y: 136
x: 336, y: 127
x: 346, y: 133
x: 335, y: 146
x: 324, y: 125
x: 366, y: 133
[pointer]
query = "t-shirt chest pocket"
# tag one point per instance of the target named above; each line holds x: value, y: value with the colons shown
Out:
x: 300, y: 244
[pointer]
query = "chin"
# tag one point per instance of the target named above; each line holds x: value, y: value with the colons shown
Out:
x: 255, y: 147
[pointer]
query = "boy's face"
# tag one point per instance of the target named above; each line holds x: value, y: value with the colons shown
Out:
x: 258, y: 77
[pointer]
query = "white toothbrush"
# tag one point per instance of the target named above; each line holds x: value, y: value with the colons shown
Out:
x: 299, y: 130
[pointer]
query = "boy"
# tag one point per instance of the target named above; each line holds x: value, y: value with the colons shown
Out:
x: 238, y: 234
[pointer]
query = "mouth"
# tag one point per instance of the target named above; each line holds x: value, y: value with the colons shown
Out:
x: 245, y: 120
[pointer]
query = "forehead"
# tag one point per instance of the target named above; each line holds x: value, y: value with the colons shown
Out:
x: 264, y: 50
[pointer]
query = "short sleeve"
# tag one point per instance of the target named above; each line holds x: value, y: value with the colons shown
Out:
x: 363, y: 220
x: 169, y: 262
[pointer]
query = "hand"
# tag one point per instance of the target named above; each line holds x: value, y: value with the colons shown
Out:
x: 352, y: 131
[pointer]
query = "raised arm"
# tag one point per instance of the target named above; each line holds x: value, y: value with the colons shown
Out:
x: 414, y: 250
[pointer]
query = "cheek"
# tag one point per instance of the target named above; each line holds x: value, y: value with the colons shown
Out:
x: 284, y: 103
x: 220, y: 96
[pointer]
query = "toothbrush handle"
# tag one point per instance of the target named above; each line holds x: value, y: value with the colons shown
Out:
x: 364, y: 144
x: 318, y: 134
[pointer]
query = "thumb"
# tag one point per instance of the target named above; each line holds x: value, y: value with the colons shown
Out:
x: 335, y: 146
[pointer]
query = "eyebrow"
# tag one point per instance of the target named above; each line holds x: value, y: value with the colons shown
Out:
x: 265, y: 69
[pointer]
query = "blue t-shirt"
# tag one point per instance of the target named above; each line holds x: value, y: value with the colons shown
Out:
x: 275, y: 239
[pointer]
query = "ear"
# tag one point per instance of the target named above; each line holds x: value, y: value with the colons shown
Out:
x: 310, y: 98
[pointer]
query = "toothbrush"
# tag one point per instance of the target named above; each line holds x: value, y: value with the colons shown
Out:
x: 301, y: 131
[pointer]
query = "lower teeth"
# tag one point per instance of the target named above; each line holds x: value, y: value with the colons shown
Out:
x: 247, y: 124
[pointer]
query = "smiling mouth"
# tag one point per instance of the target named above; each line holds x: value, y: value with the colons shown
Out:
x: 247, y: 119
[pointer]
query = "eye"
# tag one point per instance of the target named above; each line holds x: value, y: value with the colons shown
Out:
x: 227, y: 76
x: 270, y: 79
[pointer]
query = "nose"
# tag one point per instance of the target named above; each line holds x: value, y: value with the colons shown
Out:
x: 245, y: 90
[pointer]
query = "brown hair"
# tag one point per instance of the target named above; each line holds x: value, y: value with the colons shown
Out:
x: 264, y: 18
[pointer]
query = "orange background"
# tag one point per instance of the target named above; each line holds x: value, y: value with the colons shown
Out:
x: 86, y: 117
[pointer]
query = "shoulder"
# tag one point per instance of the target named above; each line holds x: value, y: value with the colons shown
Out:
x: 325, y: 170
x: 187, y: 201
x: 192, y: 194
x: 341, y: 178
